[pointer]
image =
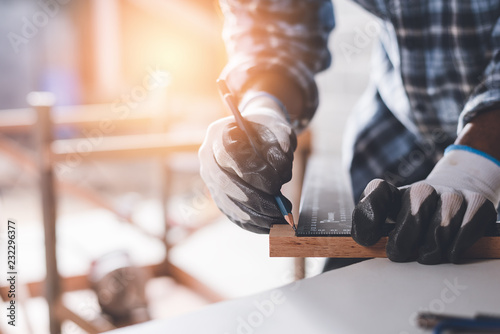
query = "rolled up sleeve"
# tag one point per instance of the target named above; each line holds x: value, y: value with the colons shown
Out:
x: 288, y: 36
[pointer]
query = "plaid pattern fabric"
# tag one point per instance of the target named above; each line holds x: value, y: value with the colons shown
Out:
x: 437, y: 66
x: 385, y: 148
x: 287, y: 36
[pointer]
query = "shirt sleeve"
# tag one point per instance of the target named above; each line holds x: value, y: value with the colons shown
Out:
x: 486, y: 95
x: 286, y: 36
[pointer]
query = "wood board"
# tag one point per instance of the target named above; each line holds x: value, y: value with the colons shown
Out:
x: 325, y: 218
x: 284, y: 243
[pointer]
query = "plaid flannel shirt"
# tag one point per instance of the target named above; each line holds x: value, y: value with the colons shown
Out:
x: 437, y: 64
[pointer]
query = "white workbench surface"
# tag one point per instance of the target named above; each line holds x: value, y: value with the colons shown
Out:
x: 375, y: 296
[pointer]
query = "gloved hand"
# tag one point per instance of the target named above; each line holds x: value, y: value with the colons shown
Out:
x: 437, y: 218
x: 241, y: 182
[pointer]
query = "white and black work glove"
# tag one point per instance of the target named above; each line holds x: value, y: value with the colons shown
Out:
x: 438, y: 218
x: 241, y: 182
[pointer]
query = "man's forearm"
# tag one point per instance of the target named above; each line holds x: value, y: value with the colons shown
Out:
x: 281, y: 87
x: 483, y: 133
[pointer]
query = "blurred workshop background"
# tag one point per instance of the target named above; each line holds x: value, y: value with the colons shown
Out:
x: 132, y: 91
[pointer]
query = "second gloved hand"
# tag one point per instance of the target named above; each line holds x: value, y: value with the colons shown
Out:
x: 241, y: 182
x: 438, y: 218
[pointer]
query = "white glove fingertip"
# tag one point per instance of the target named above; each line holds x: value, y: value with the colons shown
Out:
x: 474, y: 202
x: 451, y: 203
x: 419, y: 192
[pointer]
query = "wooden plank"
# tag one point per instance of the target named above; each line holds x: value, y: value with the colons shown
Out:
x: 194, y: 284
x: 42, y: 102
x: 104, y: 117
x: 120, y: 147
x: 91, y: 116
x: 74, y: 283
x: 284, y: 243
x: 323, y: 196
x: 66, y: 313
x: 81, y: 282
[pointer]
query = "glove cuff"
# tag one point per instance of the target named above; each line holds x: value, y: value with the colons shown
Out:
x: 251, y: 97
x: 465, y: 168
x: 472, y: 150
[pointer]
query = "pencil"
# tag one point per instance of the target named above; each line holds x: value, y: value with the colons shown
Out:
x: 231, y: 103
x: 429, y: 320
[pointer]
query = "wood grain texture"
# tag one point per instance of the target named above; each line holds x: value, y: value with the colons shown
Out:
x: 284, y: 243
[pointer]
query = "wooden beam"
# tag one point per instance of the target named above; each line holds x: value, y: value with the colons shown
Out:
x: 284, y: 243
x: 81, y: 282
x: 72, y: 283
x: 43, y: 102
x: 66, y: 313
x: 20, y: 156
x: 184, y: 278
x: 90, y: 117
x: 120, y: 147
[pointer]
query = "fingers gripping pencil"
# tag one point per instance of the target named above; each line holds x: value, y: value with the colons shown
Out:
x: 231, y: 103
